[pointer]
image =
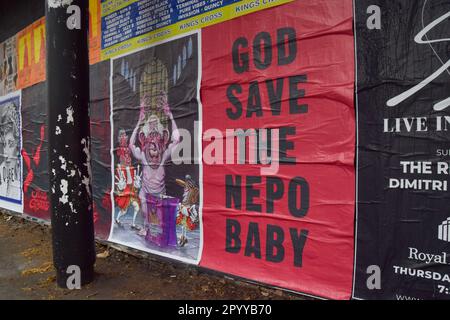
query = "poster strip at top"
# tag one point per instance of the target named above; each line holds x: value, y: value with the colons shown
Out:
x: 128, y: 25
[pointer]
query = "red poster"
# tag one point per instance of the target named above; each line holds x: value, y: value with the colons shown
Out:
x: 285, y: 74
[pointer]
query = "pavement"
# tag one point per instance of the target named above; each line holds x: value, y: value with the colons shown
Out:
x: 26, y: 272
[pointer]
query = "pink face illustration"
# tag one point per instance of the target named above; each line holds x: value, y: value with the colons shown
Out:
x: 154, y: 142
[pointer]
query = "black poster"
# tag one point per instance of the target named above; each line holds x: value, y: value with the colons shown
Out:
x: 100, y: 147
x: 35, y: 152
x: 403, y: 165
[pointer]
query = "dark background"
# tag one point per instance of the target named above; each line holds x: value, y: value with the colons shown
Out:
x: 18, y: 14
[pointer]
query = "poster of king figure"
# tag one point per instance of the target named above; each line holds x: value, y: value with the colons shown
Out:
x: 10, y: 157
x: 155, y: 112
x: 403, y: 243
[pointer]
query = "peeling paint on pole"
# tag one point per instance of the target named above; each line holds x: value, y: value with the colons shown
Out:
x: 59, y: 3
x: 69, y: 112
x: 69, y: 140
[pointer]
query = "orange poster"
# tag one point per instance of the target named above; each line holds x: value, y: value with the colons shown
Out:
x: 94, y: 31
x: 31, y: 54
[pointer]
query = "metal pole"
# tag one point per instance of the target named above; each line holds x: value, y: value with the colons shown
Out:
x: 69, y: 140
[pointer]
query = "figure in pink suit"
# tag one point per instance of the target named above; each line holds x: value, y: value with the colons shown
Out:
x: 154, y: 148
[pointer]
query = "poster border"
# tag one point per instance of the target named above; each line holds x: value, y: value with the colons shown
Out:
x: 6, y: 203
x: 356, y: 152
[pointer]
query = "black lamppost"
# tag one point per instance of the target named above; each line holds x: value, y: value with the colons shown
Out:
x: 67, y: 24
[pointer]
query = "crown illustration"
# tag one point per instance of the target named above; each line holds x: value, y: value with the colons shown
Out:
x: 154, y: 83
